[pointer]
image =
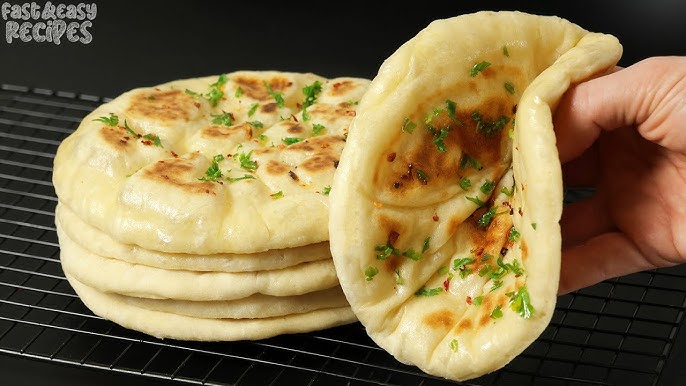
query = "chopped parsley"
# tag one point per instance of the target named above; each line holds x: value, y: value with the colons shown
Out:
x: 213, y: 173
x: 262, y: 138
x: 311, y: 92
x: 439, y: 137
x: 509, y: 87
x: 533, y: 225
x: 454, y: 345
x: 278, y: 96
x: 513, y: 235
x: 476, y: 200
x: 130, y: 130
x: 434, y: 113
x: 508, y: 192
x: 225, y: 119
x: 412, y: 254
x: 428, y: 291
x: 253, y: 109
x: 506, y: 52
x: 386, y: 251
x: 154, y: 138
x: 422, y: 176
x: 318, y: 129
x: 425, y: 246
x: 370, y: 272
x: 487, y: 217
x: 257, y: 124
x: 112, y: 120
x: 489, y: 127
x: 487, y: 187
x: 245, y: 177
x: 497, y: 312
x: 277, y: 195
x: 246, y: 162
x: 239, y: 92
x: 465, y: 183
x: 520, y: 303
x: 496, y: 284
x: 290, y: 140
x: 216, y: 92
x: 477, y: 300
x: 443, y: 270
x: 468, y: 161
x: 450, y: 106
x: 408, y: 126
x: 460, y: 265
x: 326, y: 190
x: 398, y: 278
x: 478, y: 68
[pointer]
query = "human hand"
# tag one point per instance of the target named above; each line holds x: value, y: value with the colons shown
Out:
x: 624, y: 134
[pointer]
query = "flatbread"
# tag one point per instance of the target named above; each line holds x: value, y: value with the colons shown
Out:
x: 118, y: 276
x: 165, y: 325
x: 444, y: 230
x: 101, y: 244
x: 140, y: 179
x: 252, y: 307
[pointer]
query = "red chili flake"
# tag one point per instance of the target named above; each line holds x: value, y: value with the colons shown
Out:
x: 435, y: 217
x: 393, y: 237
x: 514, y: 109
x: 507, y: 204
x: 173, y: 153
x: 390, y: 157
x: 196, y: 104
x: 519, y: 210
x: 146, y: 142
x: 408, y: 175
x: 503, y: 251
x: 293, y: 175
x: 446, y: 285
x: 123, y: 141
x: 351, y: 113
x: 469, y: 300
x: 335, y: 164
x: 397, y: 184
x: 294, y: 118
x: 479, y: 251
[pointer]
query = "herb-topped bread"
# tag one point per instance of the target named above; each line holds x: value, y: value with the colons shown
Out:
x: 236, y: 163
x: 445, y: 205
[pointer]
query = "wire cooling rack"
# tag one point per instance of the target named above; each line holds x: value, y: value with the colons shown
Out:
x: 622, y: 331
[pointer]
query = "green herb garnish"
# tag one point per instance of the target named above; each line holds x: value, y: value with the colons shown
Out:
x: 497, y: 313
x: 425, y: 246
x: 408, y: 126
x: 520, y: 303
x: 476, y: 200
x: 422, y: 176
x: 468, y: 161
x: 454, y: 345
x: 245, y: 177
x: 246, y: 162
x: 253, y: 109
x: 278, y: 96
x: 311, y: 93
x: 439, y: 137
x: 412, y: 254
x: 217, y: 90
x: 154, y: 138
x: 370, y: 272
x: 489, y: 127
x: 513, y: 235
x: 451, y: 107
x: 290, y: 140
x: 112, y: 120
x: 213, y: 173
x: 257, y: 124
x: 277, y: 195
x: 225, y: 119
x: 477, y: 300
x: 428, y: 292
x: 487, y: 187
x: 326, y: 190
x: 239, y: 92
x: 478, y: 68
x: 509, y: 87
x: 386, y: 251
x: 465, y: 183
x: 398, y: 278
x: 506, y: 52
x: 317, y: 129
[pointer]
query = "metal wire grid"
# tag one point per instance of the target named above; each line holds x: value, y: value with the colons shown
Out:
x: 617, y: 332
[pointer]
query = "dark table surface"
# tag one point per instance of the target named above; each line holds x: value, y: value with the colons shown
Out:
x: 141, y: 43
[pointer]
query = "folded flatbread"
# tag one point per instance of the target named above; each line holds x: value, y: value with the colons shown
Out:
x: 445, y: 208
x: 234, y: 163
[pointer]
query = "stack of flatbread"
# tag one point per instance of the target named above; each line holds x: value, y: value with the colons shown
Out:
x: 198, y: 209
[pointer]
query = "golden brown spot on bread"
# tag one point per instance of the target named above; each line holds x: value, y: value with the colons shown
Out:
x: 269, y: 108
x: 255, y: 89
x: 178, y: 172
x: 276, y: 168
x: 465, y: 324
x: 167, y: 105
x: 525, y: 250
x: 294, y: 128
x: 319, y: 163
x: 117, y: 137
x: 244, y: 130
x: 342, y: 88
x: 442, y: 319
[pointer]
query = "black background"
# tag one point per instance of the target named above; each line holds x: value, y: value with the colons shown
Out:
x: 141, y: 43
